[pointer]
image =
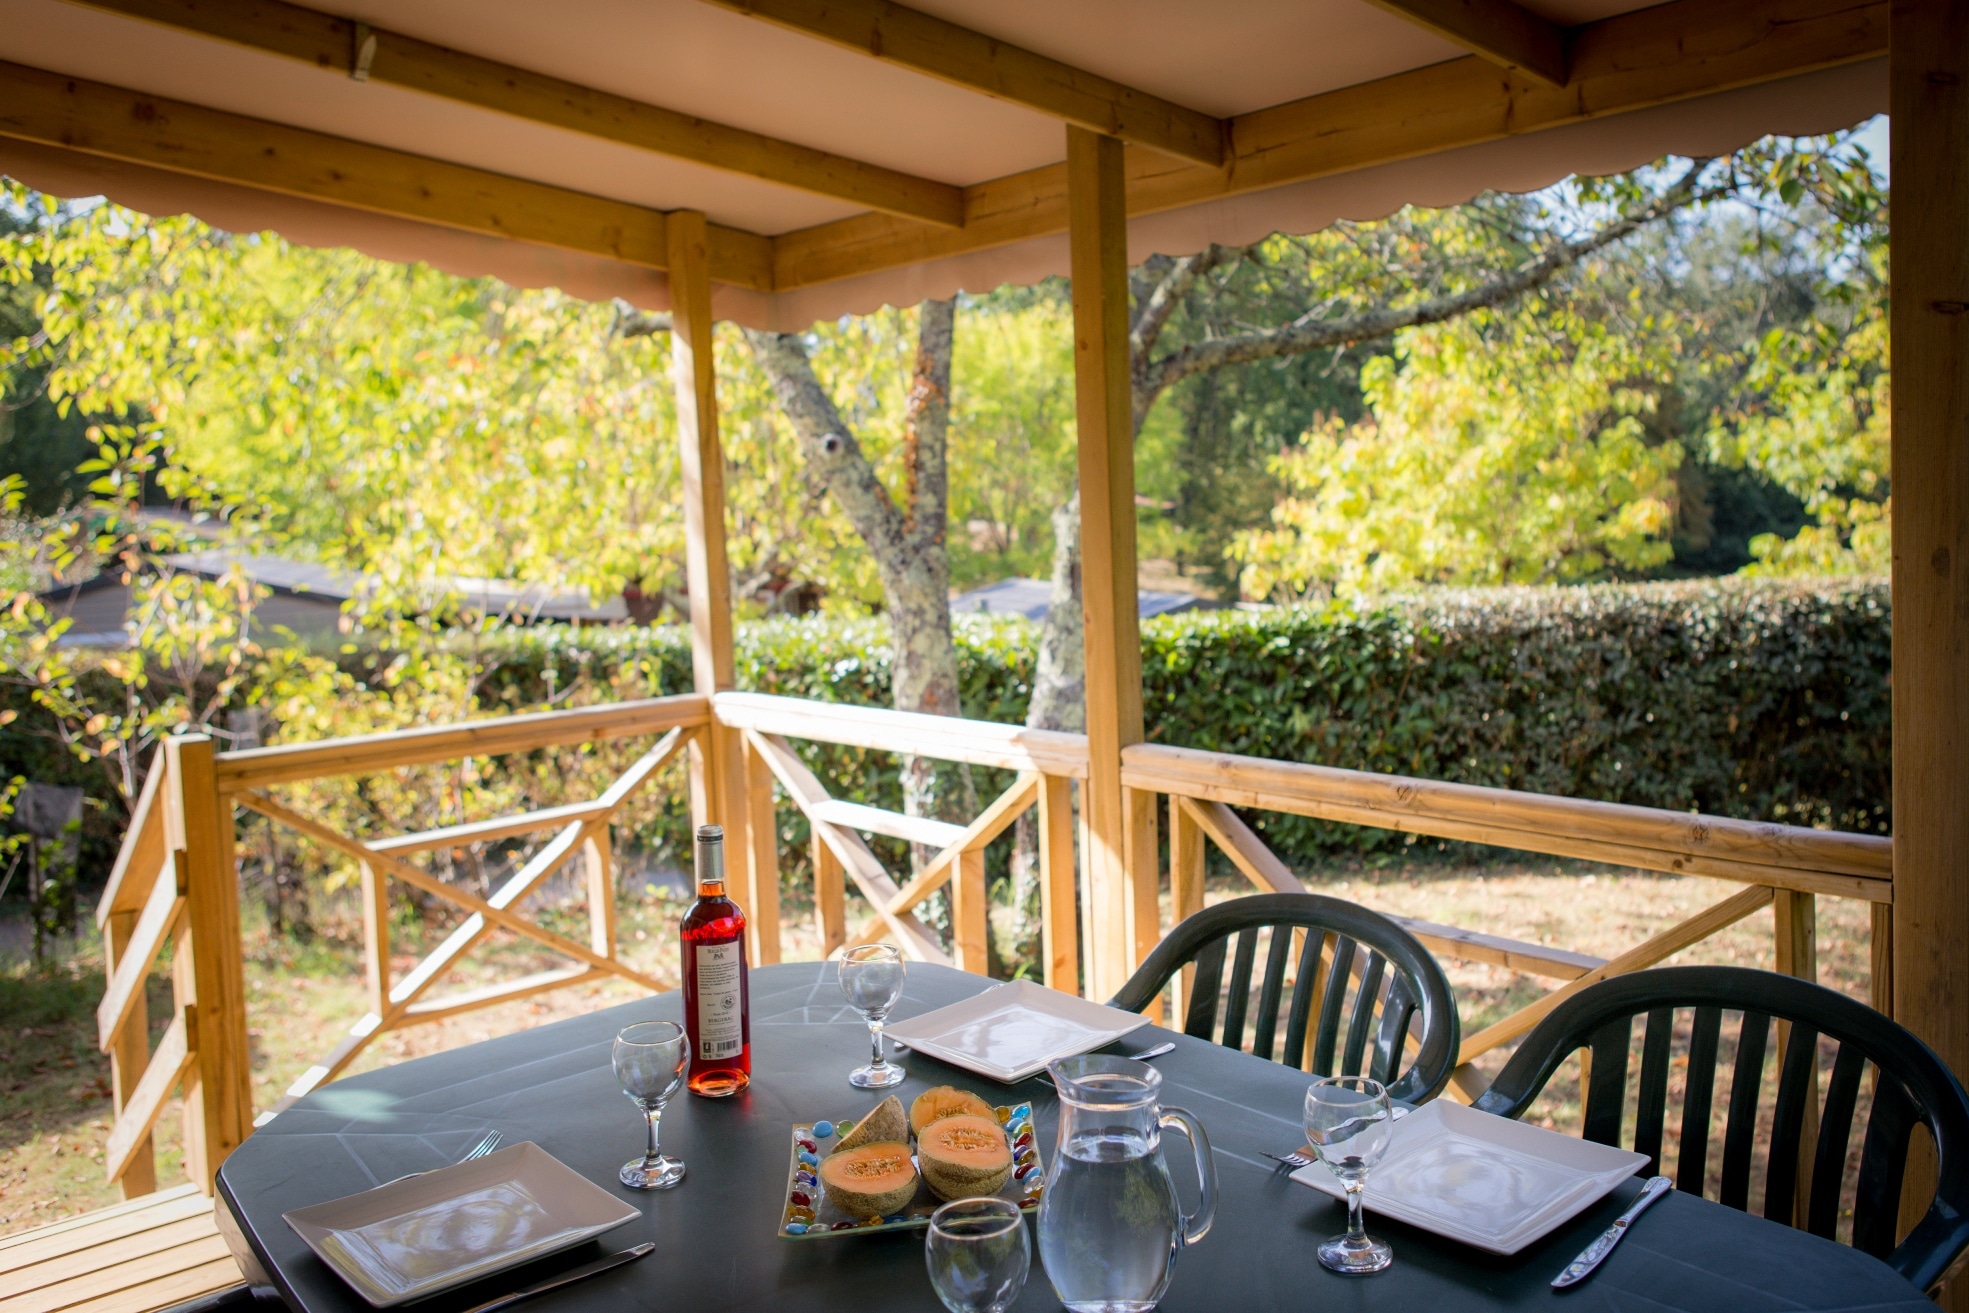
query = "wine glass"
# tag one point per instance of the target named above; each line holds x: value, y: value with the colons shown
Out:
x: 871, y: 979
x: 650, y: 1060
x: 1349, y: 1125
x: 978, y: 1255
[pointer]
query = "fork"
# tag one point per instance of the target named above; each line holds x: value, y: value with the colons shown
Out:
x: 491, y: 1141
x: 1295, y: 1160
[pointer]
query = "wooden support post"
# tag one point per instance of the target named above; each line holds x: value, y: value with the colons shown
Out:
x: 762, y: 858
x: 1929, y: 137
x: 1794, y: 918
x: 1059, y: 928
x: 375, y: 937
x: 717, y: 758
x: 210, y: 973
x: 830, y: 898
x: 1185, y: 887
x: 131, y: 1052
x: 1881, y: 949
x: 598, y: 859
x: 970, y: 924
x: 1121, y: 867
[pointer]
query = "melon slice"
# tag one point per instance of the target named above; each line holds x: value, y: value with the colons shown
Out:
x: 886, y: 1123
x: 945, y: 1101
x: 872, y: 1181
x: 964, y: 1156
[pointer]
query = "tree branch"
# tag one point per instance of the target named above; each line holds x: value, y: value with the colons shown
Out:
x: 1152, y: 310
x: 1310, y: 333
x: 926, y: 427
x: 829, y: 447
x: 631, y: 322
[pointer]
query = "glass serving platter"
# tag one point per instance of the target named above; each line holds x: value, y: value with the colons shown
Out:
x: 809, y: 1215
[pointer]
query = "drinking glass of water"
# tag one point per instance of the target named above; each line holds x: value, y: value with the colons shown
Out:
x: 978, y: 1255
x: 1349, y: 1125
x: 650, y: 1060
x: 871, y: 979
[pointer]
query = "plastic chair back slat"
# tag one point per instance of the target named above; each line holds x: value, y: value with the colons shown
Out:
x: 1740, y: 1133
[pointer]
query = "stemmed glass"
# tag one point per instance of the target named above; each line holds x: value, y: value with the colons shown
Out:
x: 978, y: 1255
x: 1349, y: 1125
x: 871, y: 979
x: 651, y: 1058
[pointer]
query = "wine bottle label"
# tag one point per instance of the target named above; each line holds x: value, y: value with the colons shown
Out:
x: 720, y: 1010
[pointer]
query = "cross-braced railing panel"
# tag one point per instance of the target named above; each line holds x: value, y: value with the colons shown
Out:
x: 1046, y: 763
x: 396, y: 1004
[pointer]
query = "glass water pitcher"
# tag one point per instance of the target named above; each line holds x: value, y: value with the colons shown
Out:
x: 1109, y: 1222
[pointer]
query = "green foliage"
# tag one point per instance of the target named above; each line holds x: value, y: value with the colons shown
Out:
x: 1765, y: 700
x: 1504, y: 447
x: 1759, y: 700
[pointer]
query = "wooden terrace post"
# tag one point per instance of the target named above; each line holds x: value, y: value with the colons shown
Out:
x: 208, y: 971
x: 131, y: 1052
x: 1120, y: 826
x: 718, y: 774
x: 1930, y: 330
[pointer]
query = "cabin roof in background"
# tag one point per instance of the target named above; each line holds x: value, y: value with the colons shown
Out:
x: 542, y: 143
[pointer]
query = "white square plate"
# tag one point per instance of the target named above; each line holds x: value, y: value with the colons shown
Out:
x: 1487, y: 1181
x: 1012, y: 1031
x: 416, y: 1237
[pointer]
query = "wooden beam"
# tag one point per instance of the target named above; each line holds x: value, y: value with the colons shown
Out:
x: 926, y: 830
x: 993, y: 821
x: 362, y: 753
x: 1498, y: 30
x: 210, y: 971
x: 718, y: 771
x: 1058, y: 907
x: 1511, y: 954
x: 141, y: 856
x: 1635, y: 61
x: 324, y: 41
x: 1663, y: 946
x: 123, y: 1000
x: 176, y: 1054
x: 910, y: 733
x: 98, y: 119
x: 1682, y: 843
x: 1120, y: 829
x: 129, y: 1055
x: 760, y: 871
x: 1929, y: 138
x: 941, y: 49
x: 1250, y: 854
x: 861, y: 865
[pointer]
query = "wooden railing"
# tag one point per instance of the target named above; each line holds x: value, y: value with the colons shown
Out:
x: 175, y: 882
x: 1782, y: 866
x: 1047, y: 764
x: 175, y: 879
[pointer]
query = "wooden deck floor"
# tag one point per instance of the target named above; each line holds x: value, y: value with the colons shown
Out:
x: 140, y: 1256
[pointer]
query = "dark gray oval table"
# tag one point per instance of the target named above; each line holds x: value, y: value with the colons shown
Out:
x: 715, y: 1235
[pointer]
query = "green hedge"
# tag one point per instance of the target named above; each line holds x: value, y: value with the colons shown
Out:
x: 1763, y: 700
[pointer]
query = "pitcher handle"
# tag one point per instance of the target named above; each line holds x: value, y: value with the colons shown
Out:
x: 1196, y: 1225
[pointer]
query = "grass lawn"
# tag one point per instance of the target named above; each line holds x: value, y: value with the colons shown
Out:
x: 54, y: 1085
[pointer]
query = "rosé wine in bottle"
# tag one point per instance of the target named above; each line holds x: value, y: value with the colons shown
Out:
x: 717, y: 1007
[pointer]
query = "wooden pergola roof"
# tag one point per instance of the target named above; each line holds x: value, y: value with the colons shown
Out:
x: 852, y: 153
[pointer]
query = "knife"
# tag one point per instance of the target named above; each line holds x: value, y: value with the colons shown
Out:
x: 1582, y: 1267
x: 602, y: 1264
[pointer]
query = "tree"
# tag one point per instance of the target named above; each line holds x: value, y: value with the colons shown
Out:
x: 907, y: 533
x: 1351, y: 284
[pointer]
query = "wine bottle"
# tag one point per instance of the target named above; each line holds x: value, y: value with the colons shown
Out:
x: 717, y: 1006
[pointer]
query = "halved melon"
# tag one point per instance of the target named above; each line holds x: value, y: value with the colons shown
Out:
x: 872, y: 1181
x: 885, y: 1124
x: 964, y: 1156
x: 945, y: 1101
